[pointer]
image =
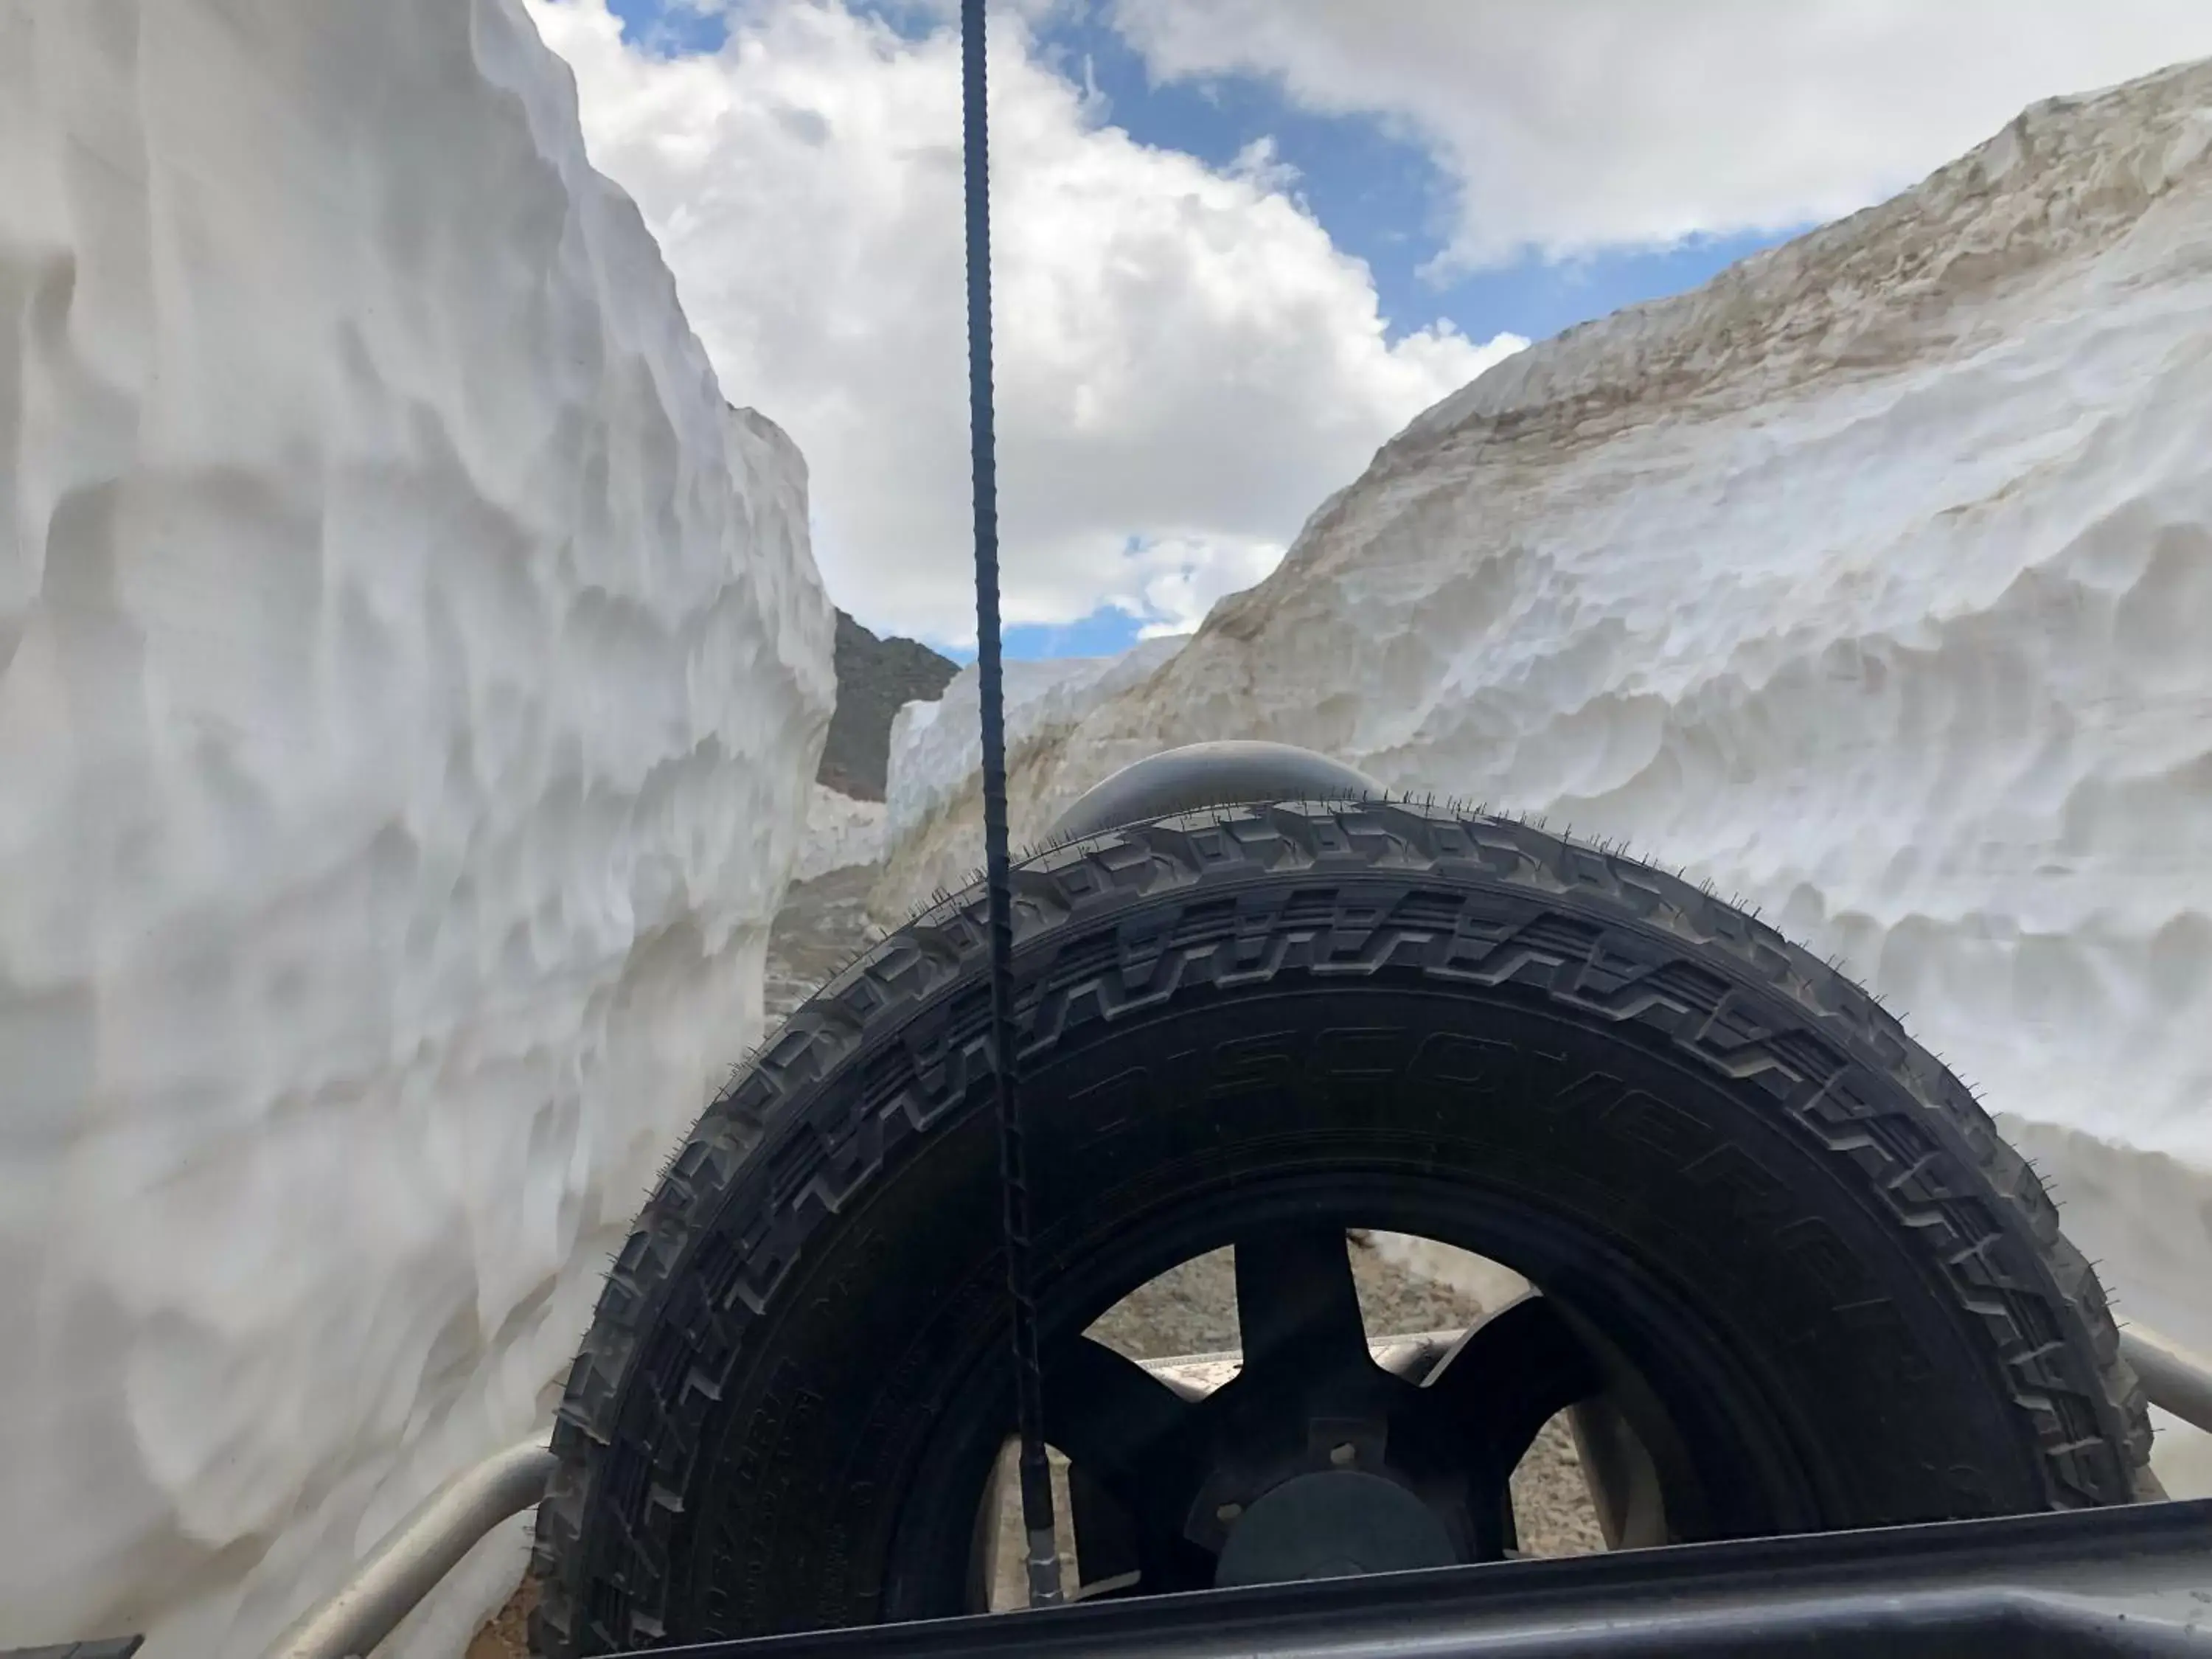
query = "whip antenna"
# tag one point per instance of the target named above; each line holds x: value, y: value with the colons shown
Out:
x: 1043, y: 1551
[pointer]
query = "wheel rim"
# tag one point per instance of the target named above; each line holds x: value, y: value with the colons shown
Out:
x: 1162, y: 1483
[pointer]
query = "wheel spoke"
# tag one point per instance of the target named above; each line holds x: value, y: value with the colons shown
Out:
x: 1109, y: 1554
x: 1113, y: 1418
x: 1510, y: 1375
x: 1297, y: 1306
x: 1133, y: 1447
x: 1623, y: 1481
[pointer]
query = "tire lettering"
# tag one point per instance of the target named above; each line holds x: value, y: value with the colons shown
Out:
x: 1594, y: 1093
x: 1243, y: 1065
x: 1359, y: 1051
x: 1812, y: 1246
x: 1885, y: 1341
x: 1650, y: 1122
x: 1107, y: 1107
x: 1747, y: 1193
x: 1450, y: 1057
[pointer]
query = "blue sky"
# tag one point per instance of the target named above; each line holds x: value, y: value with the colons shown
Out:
x: 1381, y: 198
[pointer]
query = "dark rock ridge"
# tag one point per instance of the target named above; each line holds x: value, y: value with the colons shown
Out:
x: 874, y: 678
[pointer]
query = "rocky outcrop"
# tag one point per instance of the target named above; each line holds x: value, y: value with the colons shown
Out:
x: 875, y: 678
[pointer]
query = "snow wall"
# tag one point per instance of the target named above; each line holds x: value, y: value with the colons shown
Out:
x: 411, y: 673
x: 841, y: 832
x: 1872, y: 581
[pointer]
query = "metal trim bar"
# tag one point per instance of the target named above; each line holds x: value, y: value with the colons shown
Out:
x: 2173, y: 1379
x: 2135, y: 1580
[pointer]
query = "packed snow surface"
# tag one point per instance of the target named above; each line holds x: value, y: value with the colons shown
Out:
x: 1872, y: 581
x: 841, y: 832
x: 410, y: 675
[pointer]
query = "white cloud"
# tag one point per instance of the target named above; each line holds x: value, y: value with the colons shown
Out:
x: 1185, y: 361
x: 1178, y: 579
x: 1574, y: 126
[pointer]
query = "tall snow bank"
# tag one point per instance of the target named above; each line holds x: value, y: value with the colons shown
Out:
x: 933, y: 822
x: 411, y: 676
x: 1872, y: 581
x: 841, y: 832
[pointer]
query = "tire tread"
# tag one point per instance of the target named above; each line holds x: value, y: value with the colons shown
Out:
x: 1345, y: 890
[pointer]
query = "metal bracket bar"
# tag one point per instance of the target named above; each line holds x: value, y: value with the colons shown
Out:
x: 419, y: 1553
x: 422, y: 1549
x: 2174, y: 1381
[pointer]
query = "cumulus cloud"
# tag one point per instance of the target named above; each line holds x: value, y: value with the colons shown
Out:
x: 1572, y: 128
x: 1186, y: 365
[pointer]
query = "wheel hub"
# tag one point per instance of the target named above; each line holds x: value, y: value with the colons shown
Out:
x: 1314, y: 1461
x: 1337, y: 1523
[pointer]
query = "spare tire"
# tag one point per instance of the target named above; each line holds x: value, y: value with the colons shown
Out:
x: 1794, y: 1227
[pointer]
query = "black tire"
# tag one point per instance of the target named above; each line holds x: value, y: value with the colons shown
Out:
x: 1679, y: 1115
